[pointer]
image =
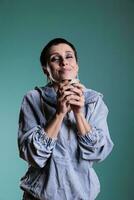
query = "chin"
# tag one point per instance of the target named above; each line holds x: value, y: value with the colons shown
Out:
x: 67, y: 78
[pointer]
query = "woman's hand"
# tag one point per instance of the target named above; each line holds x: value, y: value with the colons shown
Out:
x: 70, y: 97
x: 76, y: 100
x: 64, y: 91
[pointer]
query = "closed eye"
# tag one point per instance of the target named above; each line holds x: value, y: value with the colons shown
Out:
x: 69, y: 56
x: 55, y: 58
x: 59, y: 58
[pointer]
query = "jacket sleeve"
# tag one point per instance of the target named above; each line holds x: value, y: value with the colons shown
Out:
x: 34, y: 145
x: 97, y: 144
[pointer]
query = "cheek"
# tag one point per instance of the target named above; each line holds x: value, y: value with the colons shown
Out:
x: 76, y: 68
x: 53, y: 68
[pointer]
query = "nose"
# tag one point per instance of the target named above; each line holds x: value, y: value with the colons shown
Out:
x: 64, y: 62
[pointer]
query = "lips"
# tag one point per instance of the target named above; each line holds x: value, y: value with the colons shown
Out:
x: 65, y: 70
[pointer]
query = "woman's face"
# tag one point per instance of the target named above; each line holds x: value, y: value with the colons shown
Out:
x: 62, y: 62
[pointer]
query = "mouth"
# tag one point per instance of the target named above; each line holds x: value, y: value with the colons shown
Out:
x: 66, y: 74
x: 64, y: 70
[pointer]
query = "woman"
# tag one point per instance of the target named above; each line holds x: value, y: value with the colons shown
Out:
x: 62, y: 131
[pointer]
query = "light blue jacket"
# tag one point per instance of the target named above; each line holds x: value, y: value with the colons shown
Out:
x: 62, y: 168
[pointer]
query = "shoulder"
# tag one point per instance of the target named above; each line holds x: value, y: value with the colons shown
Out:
x: 92, y: 95
x: 33, y: 95
x: 94, y: 100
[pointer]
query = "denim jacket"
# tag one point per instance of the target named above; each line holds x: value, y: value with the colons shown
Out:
x: 62, y: 168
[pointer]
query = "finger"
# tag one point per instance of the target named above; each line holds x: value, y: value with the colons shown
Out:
x: 66, y: 87
x: 77, y: 91
x: 65, y: 95
x: 81, y: 100
x: 79, y: 85
x: 76, y: 103
x: 73, y: 97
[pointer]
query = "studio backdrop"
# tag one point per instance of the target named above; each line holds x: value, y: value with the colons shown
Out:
x: 103, y: 34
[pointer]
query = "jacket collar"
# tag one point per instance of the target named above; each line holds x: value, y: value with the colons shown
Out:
x: 48, y: 93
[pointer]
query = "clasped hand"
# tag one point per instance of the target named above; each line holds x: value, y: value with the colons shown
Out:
x: 70, y: 97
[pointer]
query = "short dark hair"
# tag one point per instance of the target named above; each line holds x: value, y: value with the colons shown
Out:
x: 55, y: 41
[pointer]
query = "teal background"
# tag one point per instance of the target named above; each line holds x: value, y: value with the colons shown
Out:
x: 103, y: 33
